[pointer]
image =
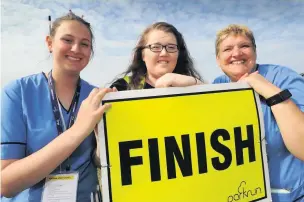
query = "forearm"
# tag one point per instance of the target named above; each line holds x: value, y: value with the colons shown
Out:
x: 28, y: 171
x: 290, y: 120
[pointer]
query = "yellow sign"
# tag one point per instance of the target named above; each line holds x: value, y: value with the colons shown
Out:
x: 189, y: 147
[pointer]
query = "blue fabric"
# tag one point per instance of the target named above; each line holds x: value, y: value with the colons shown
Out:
x: 286, y: 171
x: 28, y: 124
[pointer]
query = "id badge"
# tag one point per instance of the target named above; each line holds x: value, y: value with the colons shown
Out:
x: 60, y: 188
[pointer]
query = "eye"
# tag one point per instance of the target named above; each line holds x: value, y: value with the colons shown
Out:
x: 66, y: 40
x: 226, y: 49
x: 156, y: 46
x: 85, y: 44
x: 245, y: 46
x: 172, y: 47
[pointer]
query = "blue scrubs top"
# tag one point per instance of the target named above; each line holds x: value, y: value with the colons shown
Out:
x: 28, y: 124
x: 286, y: 171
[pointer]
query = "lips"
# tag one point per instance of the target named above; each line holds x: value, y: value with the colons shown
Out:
x: 163, y: 61
x: 73, y: 58
x: 238, y: 62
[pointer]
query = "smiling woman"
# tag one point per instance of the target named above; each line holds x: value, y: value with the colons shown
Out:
x: 47, y: 123
x: 282, y: 93
x: 160, y: 59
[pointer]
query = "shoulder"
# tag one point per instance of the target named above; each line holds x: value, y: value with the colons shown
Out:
x: 221, y: 79
x: 278, y: 74
x: 86, y: 85
x: 25, y: 84
x: 120, y: 84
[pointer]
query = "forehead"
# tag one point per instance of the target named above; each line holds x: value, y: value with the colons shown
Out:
x: 159, y: 36
x: 74, y: 28
x: 232, y: 39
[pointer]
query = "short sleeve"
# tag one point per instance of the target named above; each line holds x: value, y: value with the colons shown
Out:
x: 120, y: 84
x: 13, y: 128
x: 288, y: 79
x: 221, y: 79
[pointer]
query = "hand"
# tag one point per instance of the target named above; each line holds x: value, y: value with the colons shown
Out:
x: 91, y: 110
x: 176, y: 80
x: 261, y: 85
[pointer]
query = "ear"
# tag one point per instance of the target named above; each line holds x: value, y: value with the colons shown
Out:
x: 218, y: 61
x: 48, y: 40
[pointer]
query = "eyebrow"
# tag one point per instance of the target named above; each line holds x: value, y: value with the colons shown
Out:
x: 241, y: 43
x: 69, y: 35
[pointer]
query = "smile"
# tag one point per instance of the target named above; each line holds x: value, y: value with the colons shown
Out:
x: 73, y: 58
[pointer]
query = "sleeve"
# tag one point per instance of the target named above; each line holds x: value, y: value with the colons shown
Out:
x: 120, y: 85
x: 293, y: 82
x: 221, y: 79
x: 13, y: 127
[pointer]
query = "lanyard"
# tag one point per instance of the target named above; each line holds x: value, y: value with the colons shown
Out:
x: 60, y: 123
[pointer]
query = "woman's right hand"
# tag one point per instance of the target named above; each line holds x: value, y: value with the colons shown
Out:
x: 91, y: 110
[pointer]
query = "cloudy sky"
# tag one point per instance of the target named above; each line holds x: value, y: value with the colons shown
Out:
x: 278, y: 26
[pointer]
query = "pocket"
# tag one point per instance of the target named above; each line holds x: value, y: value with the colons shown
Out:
x: 282, y: 195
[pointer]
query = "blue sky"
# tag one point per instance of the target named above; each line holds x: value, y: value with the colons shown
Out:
x: 278, y: 26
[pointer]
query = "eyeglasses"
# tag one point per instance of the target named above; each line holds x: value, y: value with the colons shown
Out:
x: 157, y: 48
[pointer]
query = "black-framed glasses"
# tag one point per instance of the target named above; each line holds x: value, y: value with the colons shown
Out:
x: 157, y: 48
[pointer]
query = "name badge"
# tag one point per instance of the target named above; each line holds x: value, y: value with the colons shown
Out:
x: 60, y: 187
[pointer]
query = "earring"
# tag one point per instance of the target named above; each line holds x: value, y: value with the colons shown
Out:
x: 51, y: 51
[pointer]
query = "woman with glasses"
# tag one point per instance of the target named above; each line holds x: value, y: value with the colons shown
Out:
x: 160, y: 59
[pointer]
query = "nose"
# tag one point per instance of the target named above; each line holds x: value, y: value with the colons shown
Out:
x: 75, y: 48
x: 236, y: 51
x: 163, y: 51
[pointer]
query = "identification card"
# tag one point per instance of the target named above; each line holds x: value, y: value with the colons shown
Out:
x: 60, y: 188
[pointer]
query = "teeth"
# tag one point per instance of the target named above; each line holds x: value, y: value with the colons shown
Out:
x: 163, y: 62
x: 238, y: 62
x: 73, y: 58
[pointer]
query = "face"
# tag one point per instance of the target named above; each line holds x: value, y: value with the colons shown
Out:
x: 236, y: 56
x: 71, y: 46
x: 160, y: 63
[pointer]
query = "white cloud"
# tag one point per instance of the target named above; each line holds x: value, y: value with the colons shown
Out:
x: 117, y: 25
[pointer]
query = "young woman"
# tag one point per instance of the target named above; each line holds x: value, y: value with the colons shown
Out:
x: 47, y: 121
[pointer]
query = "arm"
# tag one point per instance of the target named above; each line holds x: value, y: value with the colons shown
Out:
x: 288, y: 115
x: 41, y: 163
x: 176, y: 80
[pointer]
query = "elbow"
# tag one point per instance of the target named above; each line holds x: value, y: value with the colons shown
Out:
x: 6, y: 192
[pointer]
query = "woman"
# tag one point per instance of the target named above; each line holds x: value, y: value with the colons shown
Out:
x: 39, y: 136
x: 282, y: 92
x: 160, y: 59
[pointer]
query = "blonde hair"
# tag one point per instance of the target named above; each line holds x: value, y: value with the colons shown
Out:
x: 233, y: 29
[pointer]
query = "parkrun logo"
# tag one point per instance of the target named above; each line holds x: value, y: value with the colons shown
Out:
x: 243, y: 193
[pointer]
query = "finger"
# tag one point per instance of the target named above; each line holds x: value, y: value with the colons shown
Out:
x: 92, y: 94
x: 242, y: 77
x: 102, y: 109
x: 114, y: 89
x: 98, y: 97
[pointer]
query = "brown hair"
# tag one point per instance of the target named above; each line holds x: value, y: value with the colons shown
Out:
x: 71, y: 17
x: 234, y: 30
x: 138, y: 68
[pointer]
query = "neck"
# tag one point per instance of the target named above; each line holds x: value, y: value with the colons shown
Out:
x: 65, y: 86
x: 64, y: 81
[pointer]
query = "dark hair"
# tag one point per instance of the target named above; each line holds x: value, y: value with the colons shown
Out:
x: 71, y: 17
x: 302, y: 74
x: 138, y: 68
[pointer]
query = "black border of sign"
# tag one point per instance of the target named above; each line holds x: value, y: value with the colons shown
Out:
x: 174, y: 95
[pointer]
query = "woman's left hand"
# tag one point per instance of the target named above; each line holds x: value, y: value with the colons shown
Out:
x: 260, y: 84
x: 287, y: 114
x: 176, y: 80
